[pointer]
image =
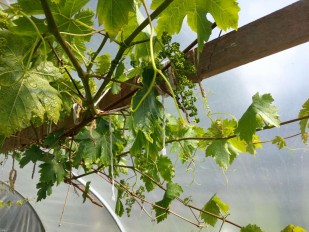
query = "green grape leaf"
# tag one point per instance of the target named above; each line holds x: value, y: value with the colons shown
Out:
x: 79, y: 23
x: 11, y: 57
x: 161, y: 214
x: 119, y: 70
x: 86, y: 191
x: 166, y: 168
x: 155, y: 3
x: 225, y: 12
x: 113, y: 14
x: 173, y: 190
x: 293, y: 228
x: 279, y: 141
x: 199, y: 23
x: 175, y: 130
x: 251, y: 228
x: 214, y: 206
x: 119, y: 210
x: 147, y: 115
x: 261, y: 107
x: 51, y: 171
x: 221, y: 128
x: 103, y: 63
x: 222, y: 206
x: 69, y: 7
x: 303, y: 123
x: 94, y: 144
x: 30, y: 100
x: 171, y: 19
x: 23, y: 27
x: 1, y: 204
x: 219, y: 151
x: 33, y: 154
x: 44, y: 190
x: 115, y: 88
x: 30, y: 7
x: 53, y: 139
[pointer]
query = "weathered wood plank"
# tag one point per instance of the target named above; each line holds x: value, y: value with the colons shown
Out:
x: 273, y: 33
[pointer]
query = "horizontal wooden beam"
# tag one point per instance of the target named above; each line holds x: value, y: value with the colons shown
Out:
x: 273, y: 33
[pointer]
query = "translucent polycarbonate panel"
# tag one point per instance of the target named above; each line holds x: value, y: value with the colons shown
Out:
x: 58, y: 213
x: 16, y: 214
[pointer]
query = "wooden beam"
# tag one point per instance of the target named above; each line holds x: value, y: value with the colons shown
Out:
x: 273, y: 33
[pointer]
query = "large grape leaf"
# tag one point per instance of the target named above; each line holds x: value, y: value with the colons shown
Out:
x: 94, y: 144
x: 173, y: 191
x: 30, y: 7
x: 113, y: 14
x: 220, y: 152
x: 30, y: 100
x: 261, y: 107
x: 148, y: 111
x: 200, y: 24
x: 215, y: 206
x: 171, y: 19
x: 166, y: 168
x: 12, y: 61
x: 69, y: 7
x: 225, y: 12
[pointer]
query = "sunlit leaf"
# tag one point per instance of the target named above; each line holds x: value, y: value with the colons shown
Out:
x: 279, y: 141
x: 213, y: 206
x: 113, y: 14
x: 220, y: 152
x: 225, y: 12
x: 30, y: 99
x: 293, y: 228
x: 199, y: 23
x: 166, y: 168
x: 261, y: 107
x: 103, y: 63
